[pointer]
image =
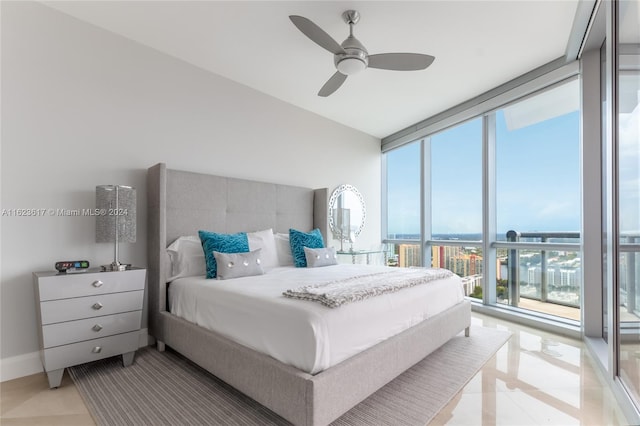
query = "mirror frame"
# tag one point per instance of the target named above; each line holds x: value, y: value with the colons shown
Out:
x: 333, y: 200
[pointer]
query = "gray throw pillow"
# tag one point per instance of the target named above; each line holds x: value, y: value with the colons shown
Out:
x: 236, y: 265
x: 320, y: 257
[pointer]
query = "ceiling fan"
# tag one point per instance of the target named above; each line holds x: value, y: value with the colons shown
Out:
x: 351, y: 57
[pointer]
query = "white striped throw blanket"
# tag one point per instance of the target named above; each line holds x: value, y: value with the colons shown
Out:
x: 338, y: 292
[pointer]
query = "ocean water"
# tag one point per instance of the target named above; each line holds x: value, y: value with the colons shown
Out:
x: 475, y: 237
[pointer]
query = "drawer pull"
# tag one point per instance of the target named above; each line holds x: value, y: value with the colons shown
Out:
x: 97, y: 306
x: 97, y: 349
x: 97, y: 284
x: 97, y: 327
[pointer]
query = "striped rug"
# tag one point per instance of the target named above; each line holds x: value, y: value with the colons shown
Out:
x: 163, y: 388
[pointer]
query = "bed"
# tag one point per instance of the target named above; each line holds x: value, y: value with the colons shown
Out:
x: 324, y: 385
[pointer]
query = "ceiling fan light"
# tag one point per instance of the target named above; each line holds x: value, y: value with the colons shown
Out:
x: 349, y: 66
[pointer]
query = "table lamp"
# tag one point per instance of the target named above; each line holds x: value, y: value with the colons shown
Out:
x: 116, y: 219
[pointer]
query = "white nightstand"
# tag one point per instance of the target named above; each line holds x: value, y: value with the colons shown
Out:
x: 87, y: 316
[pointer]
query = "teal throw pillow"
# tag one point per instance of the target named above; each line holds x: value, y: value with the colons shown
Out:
x: 222, y: 243
x: 299, y: 240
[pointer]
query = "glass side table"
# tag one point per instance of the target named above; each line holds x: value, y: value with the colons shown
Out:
x: 367, y: 253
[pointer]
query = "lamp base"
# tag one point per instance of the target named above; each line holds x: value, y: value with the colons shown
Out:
x: 115, y: 267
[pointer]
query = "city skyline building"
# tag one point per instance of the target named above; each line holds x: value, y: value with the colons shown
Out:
x: 562, y: 270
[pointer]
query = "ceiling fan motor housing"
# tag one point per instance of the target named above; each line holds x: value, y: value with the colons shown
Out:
x: 355, y: 58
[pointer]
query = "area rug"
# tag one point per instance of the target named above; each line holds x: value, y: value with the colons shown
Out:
x: 164, y: 388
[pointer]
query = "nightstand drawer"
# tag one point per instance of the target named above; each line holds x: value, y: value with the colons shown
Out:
x: 90, y: 350
x: 63, y: 333
x: 63, y: 286
x: 93, y: 306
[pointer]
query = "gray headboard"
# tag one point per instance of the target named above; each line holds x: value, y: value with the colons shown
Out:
x: 181, y: 203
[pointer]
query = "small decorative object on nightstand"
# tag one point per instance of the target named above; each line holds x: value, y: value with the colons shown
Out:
x: 86, y: 317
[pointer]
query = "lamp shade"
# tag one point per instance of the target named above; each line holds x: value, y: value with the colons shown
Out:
x: 116, y: 206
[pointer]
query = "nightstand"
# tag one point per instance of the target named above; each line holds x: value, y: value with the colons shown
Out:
x: 87, y: 316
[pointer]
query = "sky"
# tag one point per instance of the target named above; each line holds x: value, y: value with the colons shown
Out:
x: 537, y: 179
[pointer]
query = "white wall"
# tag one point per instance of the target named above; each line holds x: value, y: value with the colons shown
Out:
x: 83, y: 107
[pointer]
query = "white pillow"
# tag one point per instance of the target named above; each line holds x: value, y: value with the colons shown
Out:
x: 236, y: 265
x: 265, y: 241
x: 320, y: 257
x: 186, y: 258
x: 283, y: 247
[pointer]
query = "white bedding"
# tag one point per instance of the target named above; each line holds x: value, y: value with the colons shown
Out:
x: 307, y: 335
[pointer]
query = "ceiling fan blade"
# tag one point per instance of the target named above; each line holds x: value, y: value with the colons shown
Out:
x: 332, y: 84
x: 316, y: 34
x: 400, y: 61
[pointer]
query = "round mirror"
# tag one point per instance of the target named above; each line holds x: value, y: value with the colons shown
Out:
x: 346, y: 213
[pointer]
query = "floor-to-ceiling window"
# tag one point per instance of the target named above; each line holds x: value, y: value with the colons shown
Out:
x: 541, y: 259
x: 611, y: 52
x: 538, y: 200
x: 454, y: 174
x: 438, y: 201
x: 403, y: 198
x: 627, y: 188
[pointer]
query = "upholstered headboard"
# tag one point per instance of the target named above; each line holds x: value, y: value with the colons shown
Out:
x: 181, y: 203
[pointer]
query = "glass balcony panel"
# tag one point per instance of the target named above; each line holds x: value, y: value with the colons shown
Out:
x: 544, y: 281
x: 629, y: 287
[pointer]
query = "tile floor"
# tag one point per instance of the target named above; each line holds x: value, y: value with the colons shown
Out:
x: 537, y: 378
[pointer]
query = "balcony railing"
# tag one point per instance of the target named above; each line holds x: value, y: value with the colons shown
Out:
x: 567, y: 274
x: 628, y: 264
x: 537, y: 271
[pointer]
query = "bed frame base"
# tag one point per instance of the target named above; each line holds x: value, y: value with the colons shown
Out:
x: 306, y: 399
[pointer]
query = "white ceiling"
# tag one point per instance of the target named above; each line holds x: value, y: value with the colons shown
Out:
x: 478, y: 45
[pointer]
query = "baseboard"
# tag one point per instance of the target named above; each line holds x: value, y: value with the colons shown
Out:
x: 27, y: 364
x: 19, y: 366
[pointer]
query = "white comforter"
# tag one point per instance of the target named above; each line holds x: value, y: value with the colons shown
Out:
x: 252, y: 311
